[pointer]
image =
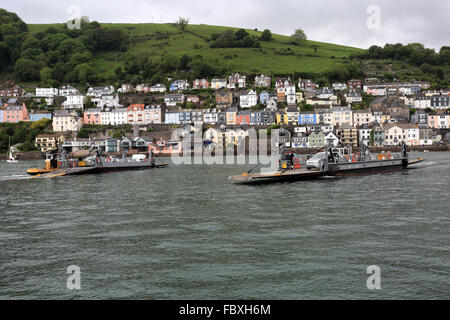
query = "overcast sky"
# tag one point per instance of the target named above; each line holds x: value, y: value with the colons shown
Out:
x: 337, y: 21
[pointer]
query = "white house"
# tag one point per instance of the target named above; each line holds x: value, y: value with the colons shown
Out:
x: 364, y: 132
x: 46, y: 92
x: 97, y: 92
x: 63, y: 122
x: 325, y: 93
x: 339, y: 86
x: 173, y: 99
x: 114, y: 116
x: 353, y: 96
x: 210, y: 116
x: 158, y: 88
x: 422, y: 102
x: 109, y: 100
x: 290, y: 95
x: 248, y: 99
x: 331, y: 137
x: 68, y: 90
x: 74, y: 101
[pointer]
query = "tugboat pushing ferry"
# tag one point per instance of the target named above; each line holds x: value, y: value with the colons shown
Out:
x: 331, y: 162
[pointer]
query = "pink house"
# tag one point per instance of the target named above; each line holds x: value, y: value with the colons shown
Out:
x: 193, y: 99
x: 200, y: 84
x: 92, y: 116
x: 438, y: 121
x: 14, y: 114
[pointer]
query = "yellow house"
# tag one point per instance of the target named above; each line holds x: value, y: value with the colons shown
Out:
x: 231, y: 116
x: 282, y: 118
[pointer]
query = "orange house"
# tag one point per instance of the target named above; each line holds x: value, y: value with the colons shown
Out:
x: 14, y: 114
x: 92, y: 116
x: 243, y: 118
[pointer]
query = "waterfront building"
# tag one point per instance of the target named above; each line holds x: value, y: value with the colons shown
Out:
x: 48, y: 142
x: 348, y: 135
x: 316, y: 140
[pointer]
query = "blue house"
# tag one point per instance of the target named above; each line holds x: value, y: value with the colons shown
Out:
x: 264, y: 97
x: 185, y: 117
x: 39, y: 115
x: 255, y: 118
x: 1, y: 115
x: 307, y: 117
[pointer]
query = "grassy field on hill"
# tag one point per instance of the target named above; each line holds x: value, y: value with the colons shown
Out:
x: 278, y: 56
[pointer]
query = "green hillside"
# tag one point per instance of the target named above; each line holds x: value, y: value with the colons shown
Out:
x: 278, y: 56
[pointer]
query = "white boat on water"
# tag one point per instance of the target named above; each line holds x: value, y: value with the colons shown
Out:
x: 11, y: 158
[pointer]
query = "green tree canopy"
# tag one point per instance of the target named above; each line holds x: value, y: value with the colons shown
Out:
x: 299, y: 37
x: 266, y: 35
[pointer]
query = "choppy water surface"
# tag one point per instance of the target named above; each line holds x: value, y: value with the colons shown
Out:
x: 187, y: 233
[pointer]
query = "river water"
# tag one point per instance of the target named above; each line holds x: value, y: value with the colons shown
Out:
x: 186, y: 232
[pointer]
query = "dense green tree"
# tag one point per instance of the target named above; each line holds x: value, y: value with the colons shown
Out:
x: 241, y: 34
x: 182, y: 23
x: 46, y: 75
x: 299, y: 37
x: 85, y: 73
x: 27, y: 70
x: 12, y: 33
x: 266, y: 35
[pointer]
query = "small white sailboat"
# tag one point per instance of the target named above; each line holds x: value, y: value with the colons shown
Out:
x: 12, y: 158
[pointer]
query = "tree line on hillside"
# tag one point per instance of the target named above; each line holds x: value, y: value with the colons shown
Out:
x: 57, y: 54
x: 414, y: 53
